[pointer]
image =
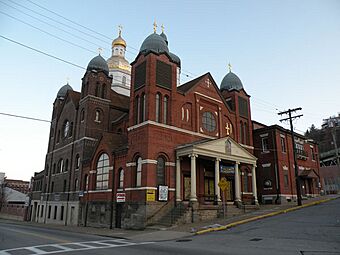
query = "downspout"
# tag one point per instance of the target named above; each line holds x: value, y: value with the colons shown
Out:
x: 277, y: 177
x: 112, y: 188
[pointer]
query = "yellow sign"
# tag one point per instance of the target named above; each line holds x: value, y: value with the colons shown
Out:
x: 223, y: 184
x: 150, y: 195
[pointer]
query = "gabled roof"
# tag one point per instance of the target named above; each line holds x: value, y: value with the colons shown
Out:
x: 217, y: 148
x: 189, y: 86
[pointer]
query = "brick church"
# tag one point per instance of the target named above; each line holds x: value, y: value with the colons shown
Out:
x: 118, y: 159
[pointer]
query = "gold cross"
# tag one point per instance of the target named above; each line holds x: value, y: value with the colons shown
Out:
x: 154, y: 26
x: 120, y: 27
x: 100, y: 50
x: 229, y: 67
x: 162, y: 26
x: 229, y: 129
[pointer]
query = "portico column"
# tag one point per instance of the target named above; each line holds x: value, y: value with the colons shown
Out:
x: 178, y: 179
x: 193, y: 196
x: 237, y: 183
x: 253, y: 178
x: 217, y: 179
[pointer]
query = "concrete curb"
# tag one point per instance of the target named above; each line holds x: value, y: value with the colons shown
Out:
x: 236, y: 223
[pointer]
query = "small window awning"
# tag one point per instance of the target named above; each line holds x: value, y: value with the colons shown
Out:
x: 308, y: 174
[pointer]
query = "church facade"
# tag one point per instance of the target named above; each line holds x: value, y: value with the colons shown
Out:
x: 131, y: 161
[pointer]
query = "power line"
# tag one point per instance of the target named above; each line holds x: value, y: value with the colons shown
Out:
x: 23, y: 117
x: 41, y: 52
x: 54, y: 26
x: 54, y: 20
x: 297, y: 178
x: 41, y: 30
x: 46, y: 9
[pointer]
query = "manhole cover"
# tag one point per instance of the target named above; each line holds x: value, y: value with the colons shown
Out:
x: 183, y: 240
x: 255, y: 239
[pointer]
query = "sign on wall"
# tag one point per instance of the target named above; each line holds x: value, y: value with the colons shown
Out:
x: 227, y: 169
x: 150, y: 195
x: 163, y: 193
x: 120, y: 198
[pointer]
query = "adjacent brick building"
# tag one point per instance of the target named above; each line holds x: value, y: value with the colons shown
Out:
x: 275, y: 165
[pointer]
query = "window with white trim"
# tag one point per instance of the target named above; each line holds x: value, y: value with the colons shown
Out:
x: 102, y: 172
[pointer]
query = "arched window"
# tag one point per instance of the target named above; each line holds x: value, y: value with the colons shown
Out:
x: 82, y: 115
x: 165, y: 110
x: 241, y: 132
x: 76, y: 184
x: 102, y: 172
x: 121, y: 178
x: 66, y: 166
x: 70, y: 133
x: 54, y: 169
x: 97, y: 117
x: 160, y: 171
x: 124, y: 81
x: 86, y: 182
x: 77, y: 161
x: 103, y: 90
x: 245, y: 133
x: 60, y: 166
x: 136, y: 110
x: 97, y: 92
x: 158, y: 107
x: 47, y: 170
x: 139, y: 172
x: 142, y: 108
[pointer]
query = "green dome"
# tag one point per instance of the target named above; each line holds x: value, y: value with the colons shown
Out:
x: 230, y: 82
x: 154, y: 43
x: 98, y: 63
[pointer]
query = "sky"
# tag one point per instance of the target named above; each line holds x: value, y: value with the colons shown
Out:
x: 286, y: 53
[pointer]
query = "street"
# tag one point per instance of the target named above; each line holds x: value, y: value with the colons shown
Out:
x: 309, y: 231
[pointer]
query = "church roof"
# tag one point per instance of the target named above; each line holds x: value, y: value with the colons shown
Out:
x: 154, y: 43
x: 231, y: 81
x: 63, y: 91
x: 98, y: 63
x: 190, y: 84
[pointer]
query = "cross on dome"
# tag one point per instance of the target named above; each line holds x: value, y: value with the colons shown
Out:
x: 154, y: 26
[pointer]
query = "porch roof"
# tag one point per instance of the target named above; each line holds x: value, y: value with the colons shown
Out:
x: 223, y: 148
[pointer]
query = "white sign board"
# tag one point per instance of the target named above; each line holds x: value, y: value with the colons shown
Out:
x: 120, y: 197
x: 163, y: 193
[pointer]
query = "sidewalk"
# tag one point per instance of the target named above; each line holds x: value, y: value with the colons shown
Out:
x: 187, y: 230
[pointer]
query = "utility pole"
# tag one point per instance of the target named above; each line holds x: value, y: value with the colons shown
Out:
x: 297, y: 179
x: 331, y: 124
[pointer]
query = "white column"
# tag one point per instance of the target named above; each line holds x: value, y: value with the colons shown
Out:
x: 237, y: 183
x: 217, y: 178
x: 193, y: 196
x: 253, y: 178
x: 178, y: 179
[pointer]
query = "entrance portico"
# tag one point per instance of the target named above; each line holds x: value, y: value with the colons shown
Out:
x: 226, y: 154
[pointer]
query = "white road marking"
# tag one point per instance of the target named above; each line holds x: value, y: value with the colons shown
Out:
x: 108, y: 243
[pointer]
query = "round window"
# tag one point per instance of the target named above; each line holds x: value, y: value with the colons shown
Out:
x: 208, y: 121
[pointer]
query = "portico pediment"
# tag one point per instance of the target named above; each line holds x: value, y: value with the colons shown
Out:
x: 223, y: 148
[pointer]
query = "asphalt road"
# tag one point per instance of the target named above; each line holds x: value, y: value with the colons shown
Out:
x: 309, y: 231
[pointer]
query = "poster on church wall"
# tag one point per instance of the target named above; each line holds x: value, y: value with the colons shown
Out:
x: 150, y: 195
x: 163, y: 193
